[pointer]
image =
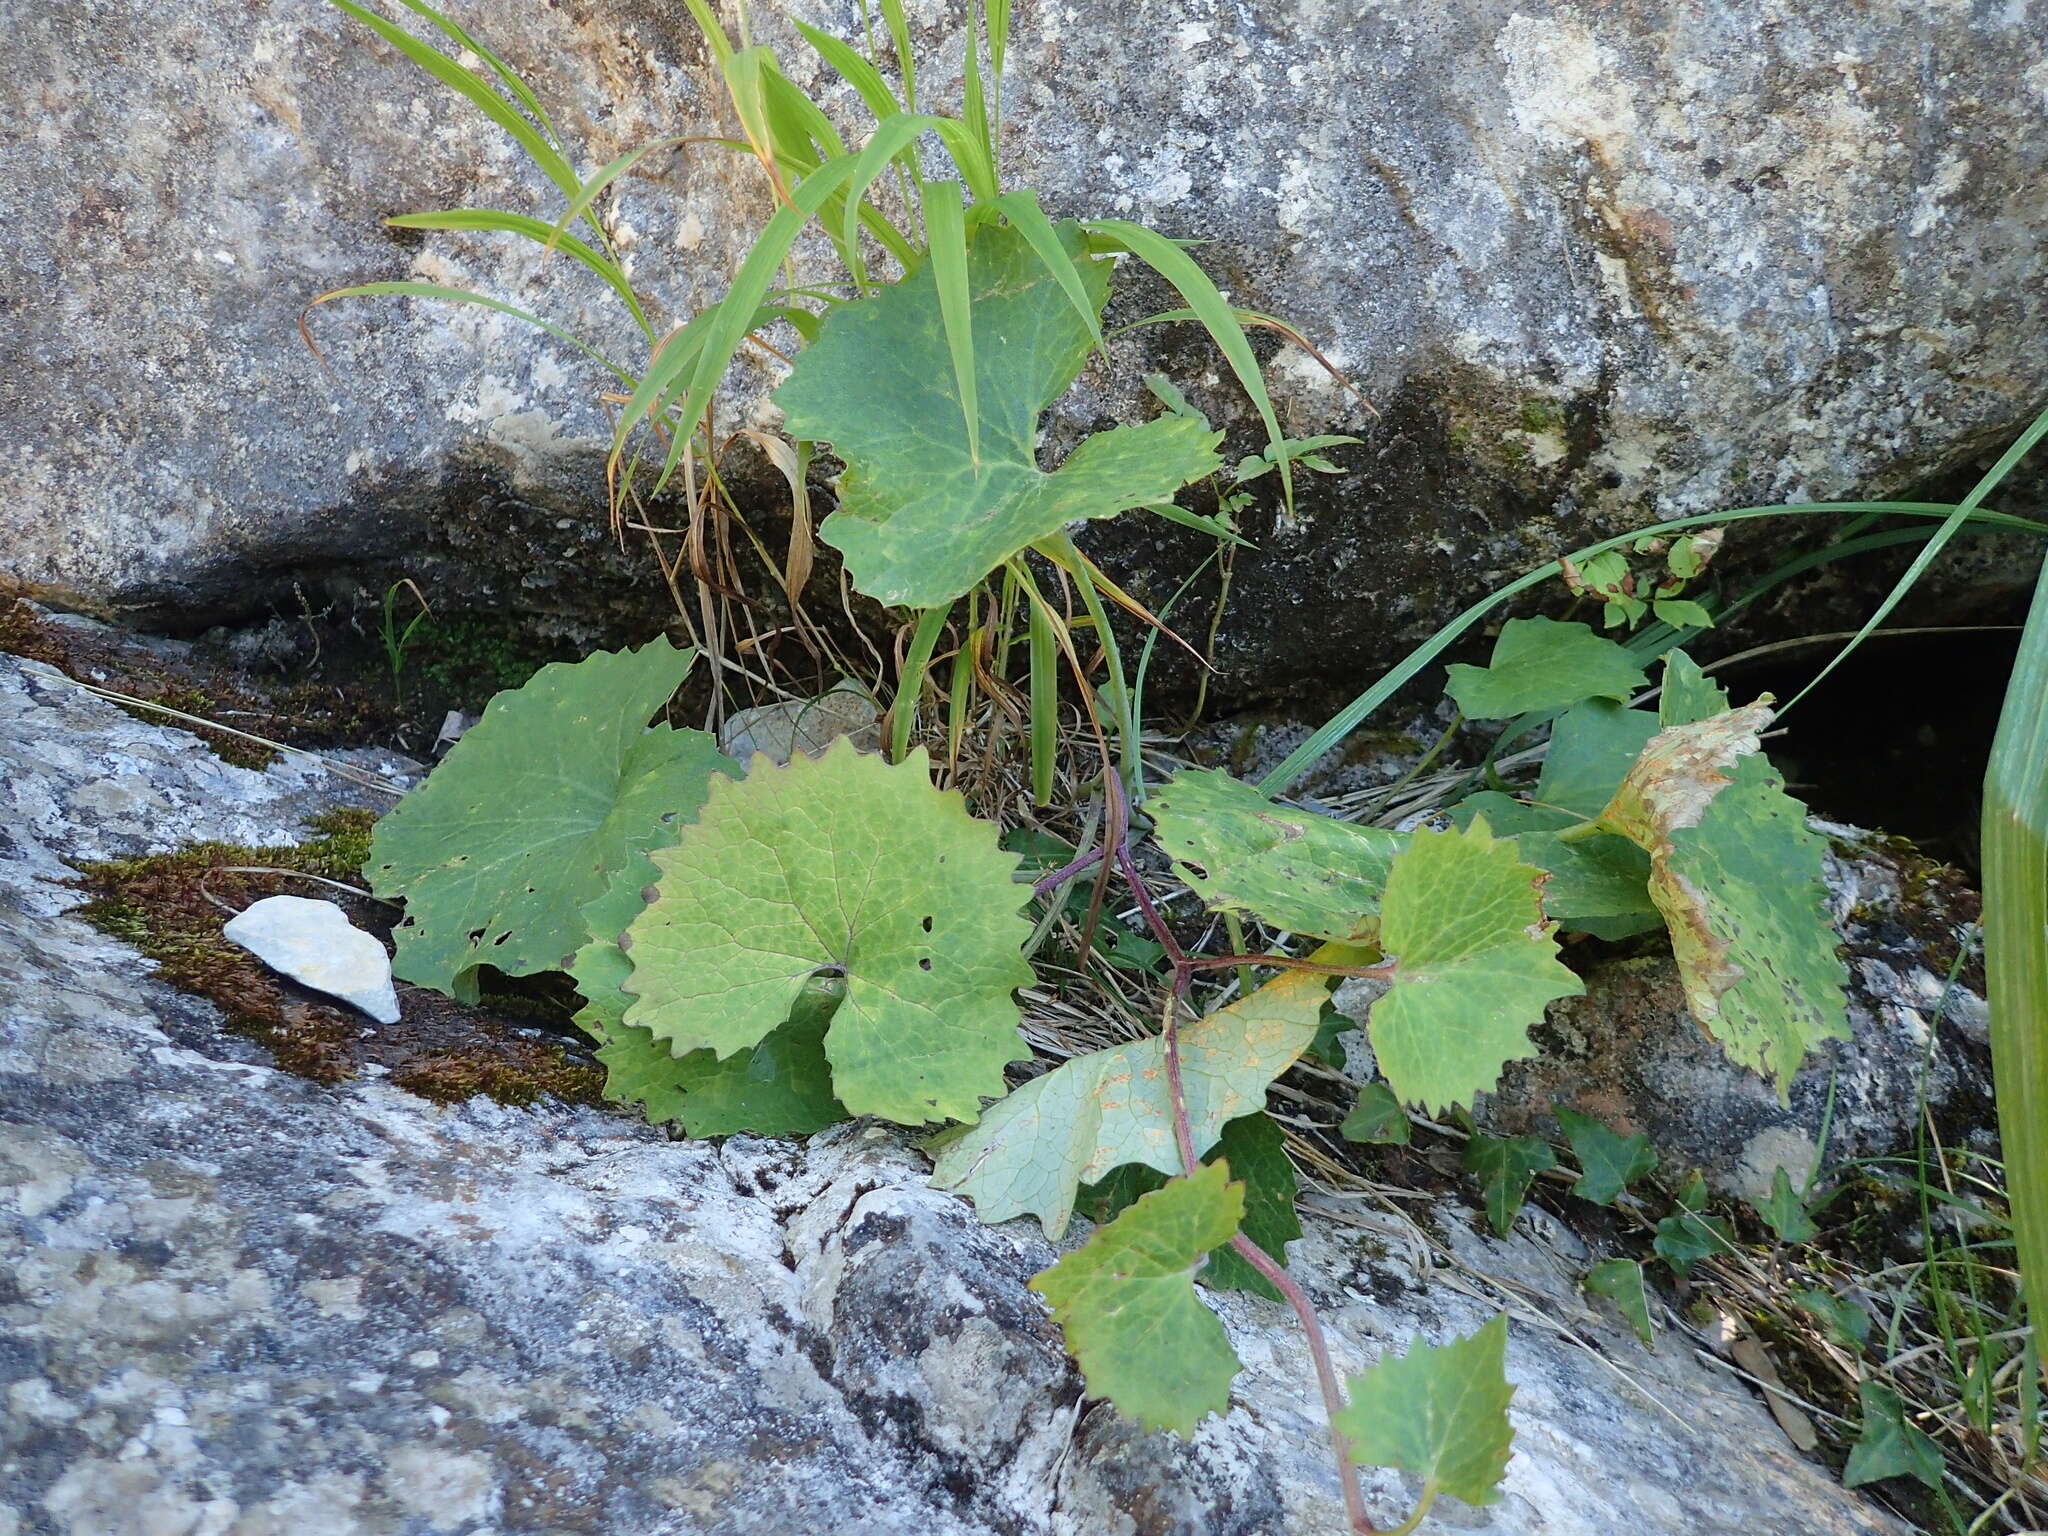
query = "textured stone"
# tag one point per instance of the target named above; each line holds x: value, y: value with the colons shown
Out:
x: 241, y: 1304
x: 314, y: 943
x: 1591, y: 261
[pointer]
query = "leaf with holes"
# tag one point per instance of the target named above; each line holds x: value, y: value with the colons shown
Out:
x: 1475, y: 963
x: 1256, y: 1149
x: 534, y: 813
x: 1542, y: 664
x: 1439, y: 1411
x: 1127, y: 1303
x: 1506, y: 1166
x: 1738, y: 877
x: 841, y: 864
x: 1621, y: 1282
x: 1291, y: 869
x: 925, y: 510
x: 1073, y: 1125
x: 1608, y: 1161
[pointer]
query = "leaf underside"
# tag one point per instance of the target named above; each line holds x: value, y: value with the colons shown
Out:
x: 1127, y: 1303
x: 1075, y: 1124
x: 1292, y: 869
x: 924, y: 512
x: 841, y: 864
x: 533, y: 814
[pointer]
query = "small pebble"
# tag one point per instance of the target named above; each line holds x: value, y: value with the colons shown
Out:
x: 314, y: 943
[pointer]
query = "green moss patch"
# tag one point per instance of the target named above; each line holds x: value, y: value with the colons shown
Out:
x: 515, y: 1049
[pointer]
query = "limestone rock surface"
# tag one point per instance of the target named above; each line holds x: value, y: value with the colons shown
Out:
x: 1591, y: 262
x: 242, y: 1304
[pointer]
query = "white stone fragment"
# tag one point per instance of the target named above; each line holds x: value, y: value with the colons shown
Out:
x: 313, y: 942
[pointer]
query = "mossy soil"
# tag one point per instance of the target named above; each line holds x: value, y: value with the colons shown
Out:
x: 514, y: 1047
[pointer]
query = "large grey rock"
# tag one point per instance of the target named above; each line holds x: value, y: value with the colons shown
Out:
x: 240, y: 1304
x: 1590, y: 260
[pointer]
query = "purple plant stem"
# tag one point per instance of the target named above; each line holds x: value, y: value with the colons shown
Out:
x: 1059, y: 877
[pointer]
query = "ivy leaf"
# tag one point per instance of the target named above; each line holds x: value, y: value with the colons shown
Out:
x: 1506, y: 1166
x: 1073, y: 1125
x: 1681, y: 613
x: 1608, y: 1161
x: 1290, y: 868
x: 1439, y: 1411
x: 1256, y: 1149
x: 1592, y: 746
x: 1621, y: 1282
x: 1474, y: 964
x: 1542, y: 664
x: 924, y: 513
x: 1127, y: 1303
x: 1377, y: 1118
x: 1848, y: 1322
x: 1889, y: 1446
x: 782, y: 1087
x: 1737, y: 876
x: 1688, y: 1234
x: 1785, y: 1212
x: 841, y: 863
x: 534, y: 812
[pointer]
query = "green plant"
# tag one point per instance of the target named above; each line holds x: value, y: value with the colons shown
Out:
x: 771, y: 947
x: 398, y: 641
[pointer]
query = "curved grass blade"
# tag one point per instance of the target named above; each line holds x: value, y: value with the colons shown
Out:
x: 890, y: 143
x: 1211, y: 308
x: 968, y: 156
x: 714, y: 34
x: 855, y: 70
x: 1028, y: 218
x: 910, y: 679
x: 945, y: 218
x: 1346, y: 720
x: 1045, y: 691
x: 1949, y: 528
x: 470, y: 86
x: 2015, y: 850
x: 592, y: 189
x: 440, y: 291
x: 906, y: 58
x: 497, y: 221
x: 521, y: 91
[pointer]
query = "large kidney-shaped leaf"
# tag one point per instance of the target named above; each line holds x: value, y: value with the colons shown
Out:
x: 534, y: 813
x: 1543, y: 664
x: 1098, y: 1112
x: 841, y: 864
x: 1127, y: 1303
x: 921, y: 516
x: 1738, y: 878
x: 1474, y: 965
x: 1293, y: 869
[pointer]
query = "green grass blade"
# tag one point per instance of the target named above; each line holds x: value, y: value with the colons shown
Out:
x: 2016, y: 946
x: 472, y: 88
x: 1211, y: 308
x: 592, y: 189
x: 970, y: 157
x: 998, y: 47
x: 796, y: 119
x: 892, y: 139
x: 906, y: 59
x: 855, y: 70
x: 507, y: 75
x: 1934, y: 547
x: 449, y: 295
x: 714, y: 34
x: 1347, y: 719
x: 945, y: 220
x: 910, y: 680
x: 1117, y: 686
x: 1028, y: 218
x: 1044, y: 657
x: 727, y: 324
x: 973, y: 100
x: 541, y: 233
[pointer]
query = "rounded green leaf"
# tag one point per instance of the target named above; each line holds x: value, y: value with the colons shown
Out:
x: 1543, y: 664
x: 841, y: 864
x: 1293, y: 869
x: 534, y: 812
x: 1127, y: 1303
x: 1474, y: 965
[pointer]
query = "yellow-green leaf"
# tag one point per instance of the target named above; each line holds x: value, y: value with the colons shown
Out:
x: 1440, y: 1411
